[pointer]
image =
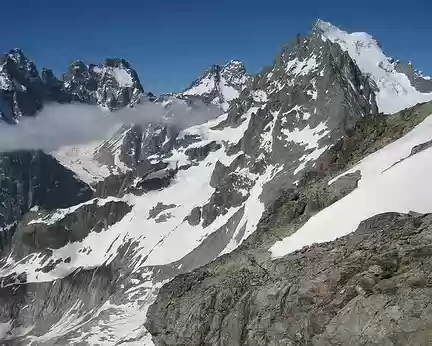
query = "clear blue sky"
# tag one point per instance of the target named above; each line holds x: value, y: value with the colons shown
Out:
x: 170, y: 42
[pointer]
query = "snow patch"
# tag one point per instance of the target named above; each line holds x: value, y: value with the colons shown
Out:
x: 123, y: 77
x: 60, y: 214
x: 83, y: 159
x: 205, y: 86
x: 307, y: 136
x: 301, y: 67
x: 259, y: 96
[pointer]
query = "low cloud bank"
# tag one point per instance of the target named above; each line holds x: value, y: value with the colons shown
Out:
x: 60, y: 125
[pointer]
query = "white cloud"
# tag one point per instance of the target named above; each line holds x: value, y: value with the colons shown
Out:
x: 60, y: 125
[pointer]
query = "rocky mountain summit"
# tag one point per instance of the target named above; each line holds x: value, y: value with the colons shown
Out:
x: 398, y: 85
x: 220, y: 84
x: 194, y: 234
x: 23, y: 90
x: 113, y: 84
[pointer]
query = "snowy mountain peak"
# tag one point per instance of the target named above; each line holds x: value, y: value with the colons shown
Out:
x: 113, y: 84
x: 17, y: 55
x: 220, y: 84
x: 234, y: 65
x: 334, y: 34
x: 324, y: 25
x: 23, y: 90
x: 397, y: 85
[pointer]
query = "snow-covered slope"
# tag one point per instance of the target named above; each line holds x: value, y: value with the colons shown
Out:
x: 395, y: 91
x: 95, y: 161
x: 393, y: 179
x: 220, y: 84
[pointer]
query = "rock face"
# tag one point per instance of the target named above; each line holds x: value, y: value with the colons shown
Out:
x: 47, y: 230
x: 219, y: 85
x: 368, y: 288
x: 31, y: 179
x: 418, y: 80
x: 113, y: 84
x: 23, y: 90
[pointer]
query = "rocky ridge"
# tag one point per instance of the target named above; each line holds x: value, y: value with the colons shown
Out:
x: 397, y: 84
x: 23, y: 90
x: 219, y: 85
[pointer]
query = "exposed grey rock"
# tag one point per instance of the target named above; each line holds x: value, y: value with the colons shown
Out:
x: 420, y: 147
x: 221, y: 172
x: 36, y: 232
x: 332, y: 95
x: 233, y: 191
x: 218, y: 174
x: 200, y: 153
x: 30, y: 179
x: 415, y: 77
x: 131, y: 147
x: 155, y: 181
x: 371, y: 134
x: 374, y: 280
x: 23, y: 91
x: 345, y: 184
x: 37, y: 306
x: 114, y: 185
x: 159, y: 208
x: 163, y: 217
x: 194, y: 218
x: 187, y: 140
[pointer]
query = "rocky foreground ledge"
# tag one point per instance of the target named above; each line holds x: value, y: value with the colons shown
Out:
x: 372, y: 287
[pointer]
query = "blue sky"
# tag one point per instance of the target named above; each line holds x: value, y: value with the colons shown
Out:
x: 170, y: 42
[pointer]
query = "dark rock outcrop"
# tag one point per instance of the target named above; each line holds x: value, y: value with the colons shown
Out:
x: 159, y: 208
x: 200, y: 153
x: 53, y: 230
x: 30, y: 179
x: 23, y: 90
x: 231, y: 192
x: 194, y: 218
